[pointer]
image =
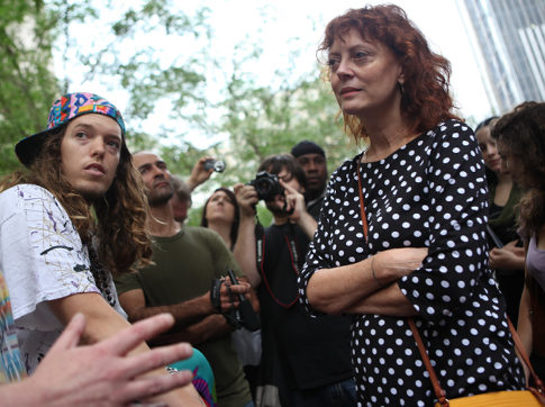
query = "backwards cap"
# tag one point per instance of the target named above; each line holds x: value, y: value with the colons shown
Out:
x: 63, y: 110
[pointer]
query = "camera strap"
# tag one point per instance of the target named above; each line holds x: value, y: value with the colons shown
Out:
x: 260, y: 258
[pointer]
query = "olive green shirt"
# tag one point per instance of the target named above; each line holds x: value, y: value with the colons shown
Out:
x: 185, y: 265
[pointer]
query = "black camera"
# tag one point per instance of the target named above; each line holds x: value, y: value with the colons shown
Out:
x: 266, y: 185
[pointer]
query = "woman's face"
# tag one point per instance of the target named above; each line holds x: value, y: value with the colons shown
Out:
x: 220, y: 208
x: 489, y: 149
x: 364, y: 75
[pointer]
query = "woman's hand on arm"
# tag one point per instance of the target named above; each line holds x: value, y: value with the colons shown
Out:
x: 340, y: 289
x: 388, y: 301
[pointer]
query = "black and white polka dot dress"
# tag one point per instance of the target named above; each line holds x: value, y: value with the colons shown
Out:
x: 431, y: 192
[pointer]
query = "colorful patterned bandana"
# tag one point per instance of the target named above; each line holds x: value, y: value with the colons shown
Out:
x: 63, y: 110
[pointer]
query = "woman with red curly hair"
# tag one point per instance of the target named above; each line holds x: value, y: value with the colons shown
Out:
x: 402, y: 228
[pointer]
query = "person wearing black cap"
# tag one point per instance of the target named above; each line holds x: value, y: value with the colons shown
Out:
x: 77, y: 215
x: 312, y: 159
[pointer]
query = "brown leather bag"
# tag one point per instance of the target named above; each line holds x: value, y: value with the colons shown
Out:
x: 533, y: 396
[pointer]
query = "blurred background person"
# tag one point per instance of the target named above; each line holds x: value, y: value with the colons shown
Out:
x: 507, y: 253
x: 311, y: 157
x: 186, y: 262
x: 181, y: 200
x: 221, y: 213
x: 521, y: 142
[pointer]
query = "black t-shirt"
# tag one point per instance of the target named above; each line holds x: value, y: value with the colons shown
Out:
x: 312, y: 351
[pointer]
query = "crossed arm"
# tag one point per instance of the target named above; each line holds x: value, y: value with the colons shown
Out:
x: 366, y: 287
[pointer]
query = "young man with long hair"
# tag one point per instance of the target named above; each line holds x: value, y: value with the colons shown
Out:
x: 76, y: 216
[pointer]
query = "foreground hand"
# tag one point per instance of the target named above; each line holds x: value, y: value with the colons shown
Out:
x: 104, y: 374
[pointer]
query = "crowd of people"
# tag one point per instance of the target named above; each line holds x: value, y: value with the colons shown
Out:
x: 433, y: 233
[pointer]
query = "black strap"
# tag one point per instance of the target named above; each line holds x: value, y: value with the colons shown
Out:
x: 260, y: 258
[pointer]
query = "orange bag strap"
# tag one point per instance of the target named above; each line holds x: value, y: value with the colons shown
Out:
x: 439, y: 392
x: 362, y: 207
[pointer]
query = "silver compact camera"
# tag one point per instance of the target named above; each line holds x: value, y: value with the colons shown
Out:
x: 216, y: 165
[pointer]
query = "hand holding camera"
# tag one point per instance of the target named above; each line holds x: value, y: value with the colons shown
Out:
x: 227, y: 297
x: 266, y: 185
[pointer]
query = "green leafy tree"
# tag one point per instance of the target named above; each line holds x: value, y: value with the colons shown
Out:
x: 27, y: 85
x: 261, y: 121
x: 137, y: 56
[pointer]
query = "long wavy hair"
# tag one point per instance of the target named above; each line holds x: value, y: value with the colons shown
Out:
x: 118, y: 219
x: 233, y: 234
x: 425, y: 98
x: 522, y: 133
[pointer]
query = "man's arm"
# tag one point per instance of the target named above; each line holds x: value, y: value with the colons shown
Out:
x: 104, y: 322
x: 185, y: 313
x: 209, y: 326
x: 199, y: 174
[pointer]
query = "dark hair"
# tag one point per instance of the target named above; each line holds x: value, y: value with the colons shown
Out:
x: 425, y: 97
x: 236, y: 221
x: 485, y: 123
x: 274, y: 164
x: 522, y: 133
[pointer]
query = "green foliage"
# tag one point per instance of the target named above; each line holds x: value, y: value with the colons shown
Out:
x: 248, y: 121
x: 261, y: 121
x: 149, y: 73
x: 27, y: 86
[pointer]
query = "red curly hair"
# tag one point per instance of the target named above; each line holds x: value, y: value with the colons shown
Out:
x: 425, y: 98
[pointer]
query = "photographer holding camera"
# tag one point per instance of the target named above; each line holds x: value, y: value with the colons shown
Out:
x: 306, y: 361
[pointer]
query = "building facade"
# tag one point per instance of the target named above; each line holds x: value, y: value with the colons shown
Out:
x: 510, y: 48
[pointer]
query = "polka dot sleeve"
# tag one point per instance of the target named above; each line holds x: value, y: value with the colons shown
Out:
x: 457, y: 196
x: 321, y: 251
